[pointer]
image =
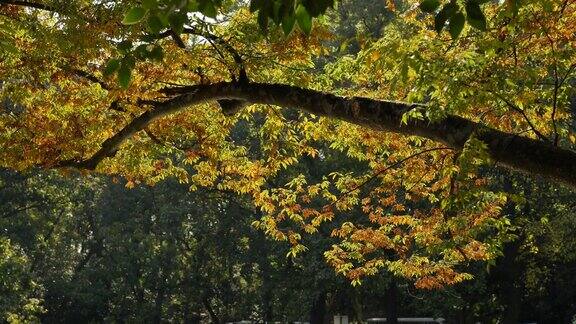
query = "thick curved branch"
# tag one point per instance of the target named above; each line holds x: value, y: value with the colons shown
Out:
x: 29, y: 4
x: 521, y: 153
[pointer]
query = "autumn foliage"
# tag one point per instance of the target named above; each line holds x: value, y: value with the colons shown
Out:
x: 72, y: 75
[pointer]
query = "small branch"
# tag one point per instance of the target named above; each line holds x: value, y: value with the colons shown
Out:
x: 229, y: 48
x: 177, y: 39
x: 90, y: 77
x: 377, y: 174
x: 213, y: 40
x: 555, y: 105
x: 568, y: 72
x: 556, y: 80
x: 153, y: 137
x: 523, y: 113
x: 564, y: 5
x: 19, y: 210
x: 232, y: 74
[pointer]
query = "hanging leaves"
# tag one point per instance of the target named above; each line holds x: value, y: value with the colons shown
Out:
x: 448, y: 10
x: 134, y: 16
x: 451, y: 13
x: 456, y: 24
x: 304, y: 19
x: 474, y: 15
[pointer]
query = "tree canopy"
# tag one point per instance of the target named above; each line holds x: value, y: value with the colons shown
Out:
x: 426, y: 98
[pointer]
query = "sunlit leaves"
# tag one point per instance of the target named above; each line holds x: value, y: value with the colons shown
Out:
x: 16, y: 286
x: 421, y: 218
x: 134, y: 16
x: 7, y: 33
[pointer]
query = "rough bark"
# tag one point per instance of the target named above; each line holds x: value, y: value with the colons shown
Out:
x: 511, y: 150
x: 29, y: 4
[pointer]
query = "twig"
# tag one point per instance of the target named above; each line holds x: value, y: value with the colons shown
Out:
x: 393, y: 165
x: 90, y: 77
x: 523, y: 113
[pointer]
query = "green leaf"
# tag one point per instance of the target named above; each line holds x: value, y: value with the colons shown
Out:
x: 141, y: 52
x: 124, y: 46
x: 193, y: 5
x: 288, y: 24
x: 456, y: 24
x: 111, y: 66
x: 156, y: 54
x: 149, y: 4
x: 134, y: 15
x: 429, y: 6
x: 129, y: 61
x: 124, y: 75
x: 208, y: 8
x: 177, y: 21
x: 155, y: 25
x: 442, y: 17
x: 475, y: 15
x: 304, y: 19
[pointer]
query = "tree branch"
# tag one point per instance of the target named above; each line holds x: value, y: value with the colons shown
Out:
x: 29, y: 4
x: 523, y: 113
x: 90, y: 77
x: 177, y: 39
x: 229, y: 48
x: 521, y: 153
x: 386, y: 169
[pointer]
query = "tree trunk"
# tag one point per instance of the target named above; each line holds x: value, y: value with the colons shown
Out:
x: 392, y: 302
x: 357, y: 306
x: 158, y: 301
x: 318, y: 311
x: 511, y: 290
